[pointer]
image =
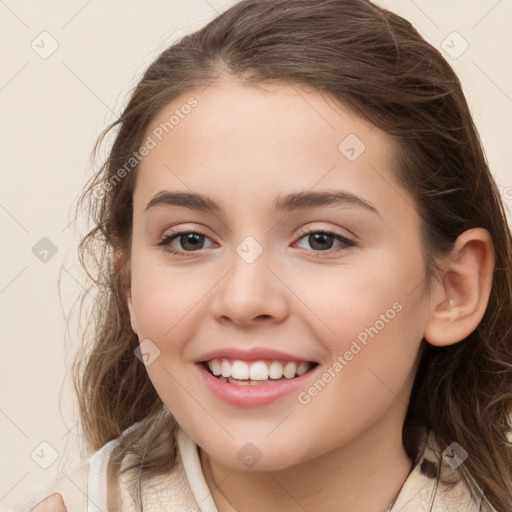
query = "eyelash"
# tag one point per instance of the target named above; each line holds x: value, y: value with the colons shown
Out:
x: 347, y: 244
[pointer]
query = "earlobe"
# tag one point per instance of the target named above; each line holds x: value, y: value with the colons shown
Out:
x: 122, y: 268
x: 459, y: 299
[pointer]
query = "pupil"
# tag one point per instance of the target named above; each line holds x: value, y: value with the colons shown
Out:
x: 318, y: 237
x: 190, y: 237
x: 315, y: 238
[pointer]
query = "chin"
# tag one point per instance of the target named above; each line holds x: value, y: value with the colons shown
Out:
x: 256, y: 456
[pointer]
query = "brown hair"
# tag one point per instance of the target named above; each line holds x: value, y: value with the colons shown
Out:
x: 376, y: 64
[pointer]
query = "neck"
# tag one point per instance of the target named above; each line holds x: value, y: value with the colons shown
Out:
x: 364, y: 474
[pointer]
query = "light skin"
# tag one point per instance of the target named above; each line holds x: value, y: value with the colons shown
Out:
x: 242, y: 146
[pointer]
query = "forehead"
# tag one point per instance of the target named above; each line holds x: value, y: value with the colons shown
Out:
x: 257, y: 142
x: 238, y: 119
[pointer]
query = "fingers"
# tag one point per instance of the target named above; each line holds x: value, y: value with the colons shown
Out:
x: 54, y: 503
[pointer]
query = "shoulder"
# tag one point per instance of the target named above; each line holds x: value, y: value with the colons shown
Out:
x: 70, y: 483
x: 73, y: 483
x: 436, y: 485
x: 179, y: 490
x: 86, y: 486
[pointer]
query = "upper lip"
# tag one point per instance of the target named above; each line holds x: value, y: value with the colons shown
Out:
x: 252, y: 354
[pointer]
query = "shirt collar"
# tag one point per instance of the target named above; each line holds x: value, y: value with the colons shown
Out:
x: 422, y: 490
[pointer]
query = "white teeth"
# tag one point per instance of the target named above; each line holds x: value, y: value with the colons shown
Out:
x: 302, y: 368
x: 289, y: 370
x: 275, y: 370
x: 216, y: 367
x: 257, y: 370
x: 231, y: 380
x: 240, y: 370
x: 225, y: 368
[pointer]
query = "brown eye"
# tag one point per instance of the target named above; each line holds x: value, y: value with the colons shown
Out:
x: 320, y: 240
x: 188, y: 241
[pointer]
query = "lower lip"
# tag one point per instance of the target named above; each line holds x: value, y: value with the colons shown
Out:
x: 251, y: 395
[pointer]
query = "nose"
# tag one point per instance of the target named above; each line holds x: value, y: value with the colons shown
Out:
x: 250, y: 293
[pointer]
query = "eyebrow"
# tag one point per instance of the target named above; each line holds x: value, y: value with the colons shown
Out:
x: 290, y: 202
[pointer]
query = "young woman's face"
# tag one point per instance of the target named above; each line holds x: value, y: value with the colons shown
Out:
x: 262, y: 281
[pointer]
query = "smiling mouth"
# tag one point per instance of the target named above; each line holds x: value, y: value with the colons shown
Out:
x: 256, y: 373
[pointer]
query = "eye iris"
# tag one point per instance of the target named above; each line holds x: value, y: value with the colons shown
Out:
x: 320, y: 237
x: 190, y: 237
x: 318, y: 241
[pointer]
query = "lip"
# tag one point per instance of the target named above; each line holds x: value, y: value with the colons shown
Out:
x: 252, y: 354
x: 250, y: 396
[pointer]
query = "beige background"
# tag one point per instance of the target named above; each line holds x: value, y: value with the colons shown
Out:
x: 53, y: 108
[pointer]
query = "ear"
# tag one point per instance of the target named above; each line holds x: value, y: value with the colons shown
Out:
x: 122, y: 268
x: 460, y: 297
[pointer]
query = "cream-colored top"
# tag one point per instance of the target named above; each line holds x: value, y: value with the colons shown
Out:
x: 184, y: 489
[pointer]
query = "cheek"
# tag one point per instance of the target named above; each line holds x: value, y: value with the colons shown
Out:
x: 163, y: 302
x: 371, y: 371
x: 169, y: 306
x: 372, y: 320
x: 164, y: 298
x: 365, y: 299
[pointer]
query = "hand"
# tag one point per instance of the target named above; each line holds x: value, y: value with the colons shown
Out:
x: 54, y: 503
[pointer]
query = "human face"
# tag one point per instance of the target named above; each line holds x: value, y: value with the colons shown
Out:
x: 258, y: 279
